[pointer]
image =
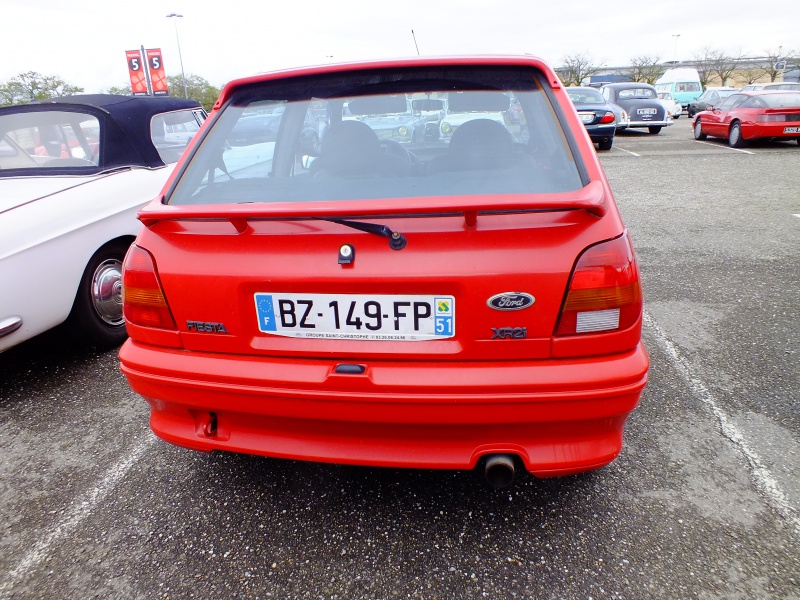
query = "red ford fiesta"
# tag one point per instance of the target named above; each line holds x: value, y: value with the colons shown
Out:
x: 364, y: 289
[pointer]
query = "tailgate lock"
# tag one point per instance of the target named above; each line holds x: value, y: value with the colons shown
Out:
x: 347, y: 254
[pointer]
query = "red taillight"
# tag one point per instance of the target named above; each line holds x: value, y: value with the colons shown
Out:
x: 607, y: 118
x: 143, y: 300
x: 604, y: 291
x: 771, y: 118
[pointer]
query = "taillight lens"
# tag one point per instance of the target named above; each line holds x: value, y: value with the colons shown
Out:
x: 771, y: 118
x: 604, y: 291
x: 143, y: 301
x: 607, y: 118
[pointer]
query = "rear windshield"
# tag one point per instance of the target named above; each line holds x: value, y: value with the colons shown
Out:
x: 382, y: 134
x: 783, y: 100
x: 49, y: 139
x: 586, y: 96
x: 636, y: 93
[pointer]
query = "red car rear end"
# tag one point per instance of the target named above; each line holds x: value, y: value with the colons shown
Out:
x: 338, y: 295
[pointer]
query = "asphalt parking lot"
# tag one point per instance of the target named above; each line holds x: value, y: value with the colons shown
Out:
x: 704, y: 501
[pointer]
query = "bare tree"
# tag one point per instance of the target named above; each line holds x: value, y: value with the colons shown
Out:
x: 702, y: 62
x: 647, y: 69
x: 724, y: 65
x: 576, y: 68
x: 773, y: 57
x: 748, y: 76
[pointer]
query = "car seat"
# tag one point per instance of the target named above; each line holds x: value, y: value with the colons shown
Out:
x: 352, y: 149
x: 477, y: 145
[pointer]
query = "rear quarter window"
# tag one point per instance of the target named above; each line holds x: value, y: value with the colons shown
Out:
x: 172, y: 131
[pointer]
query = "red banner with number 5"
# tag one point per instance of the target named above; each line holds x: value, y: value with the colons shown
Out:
x: 136, y: 72
x: 158, y: 77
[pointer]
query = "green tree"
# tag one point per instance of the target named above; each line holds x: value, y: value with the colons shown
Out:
x: 121, y: 91
x: 197, y: 89
x: 30, y: 86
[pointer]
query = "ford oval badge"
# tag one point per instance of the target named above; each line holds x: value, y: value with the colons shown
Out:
x: 511, y: 301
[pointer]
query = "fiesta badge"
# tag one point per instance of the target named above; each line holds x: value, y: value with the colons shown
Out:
x: 511, y: 301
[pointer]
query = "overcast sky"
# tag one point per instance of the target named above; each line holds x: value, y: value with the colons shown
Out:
x: 84, y: 41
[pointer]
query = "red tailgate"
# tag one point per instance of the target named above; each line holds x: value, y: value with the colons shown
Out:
x: 530, y: 253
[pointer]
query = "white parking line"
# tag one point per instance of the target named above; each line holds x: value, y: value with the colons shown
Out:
x: 82, y: 508
x: 721, y: 146
x: 797, y: 215
x: 628, y: 151
x: 762, y: 478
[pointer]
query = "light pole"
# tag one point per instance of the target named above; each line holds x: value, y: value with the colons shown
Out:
x: 675, y: 53
x: 180, y: 56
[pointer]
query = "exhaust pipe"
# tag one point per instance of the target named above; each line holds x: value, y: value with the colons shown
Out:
x: 499, y: 470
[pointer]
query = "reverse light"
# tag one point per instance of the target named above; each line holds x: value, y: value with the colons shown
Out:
x: 143, y: 301
x: 604, y: 292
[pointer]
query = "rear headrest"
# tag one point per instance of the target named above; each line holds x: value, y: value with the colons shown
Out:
x: 349, y: 145
x: 481, y: 144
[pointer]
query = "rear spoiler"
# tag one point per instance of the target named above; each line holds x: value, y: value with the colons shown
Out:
x: 591, y: 198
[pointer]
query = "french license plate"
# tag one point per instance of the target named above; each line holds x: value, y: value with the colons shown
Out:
x: 356, y: 316
x: 791, y: 130
x: 646, y: 111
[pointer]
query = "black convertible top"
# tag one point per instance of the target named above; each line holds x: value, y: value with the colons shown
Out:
x: 124, y: 125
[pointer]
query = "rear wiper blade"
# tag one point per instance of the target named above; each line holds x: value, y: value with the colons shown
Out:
x: 397, y: 241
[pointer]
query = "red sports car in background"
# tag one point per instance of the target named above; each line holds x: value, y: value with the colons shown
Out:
x: 747, y: 116
x: 438, y: 303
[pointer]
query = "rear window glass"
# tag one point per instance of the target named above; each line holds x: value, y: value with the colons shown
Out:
x: 49, y: 139
x: 636, y: 93
x: 382, y: 134
x: 586, y: 96
x: 785, y: 100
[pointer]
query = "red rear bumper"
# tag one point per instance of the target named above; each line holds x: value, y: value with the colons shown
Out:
x: 559, y: 416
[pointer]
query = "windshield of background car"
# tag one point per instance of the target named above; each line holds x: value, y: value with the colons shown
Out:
x: 395, y: 133
x: 172, y: 131
x: 49, y: 139
x: 636, y: 93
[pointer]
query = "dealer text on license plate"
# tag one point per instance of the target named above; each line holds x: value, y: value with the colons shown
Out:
x: 356, y: 316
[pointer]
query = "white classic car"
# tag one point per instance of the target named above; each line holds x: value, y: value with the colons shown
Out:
x: 673, y: 107
x: 74, y: 172
x: 463, y: 107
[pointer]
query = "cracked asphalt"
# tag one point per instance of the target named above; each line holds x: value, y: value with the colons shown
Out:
x: 703, y: 502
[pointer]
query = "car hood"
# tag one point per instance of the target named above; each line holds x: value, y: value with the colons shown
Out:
x: 18, y: 191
